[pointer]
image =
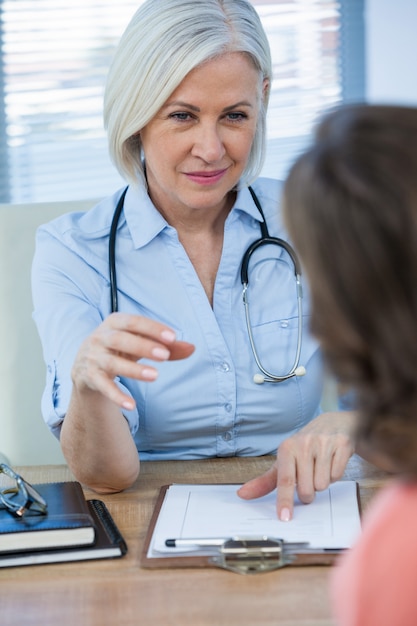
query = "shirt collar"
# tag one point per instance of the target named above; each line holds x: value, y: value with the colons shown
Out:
x: 142, y: 218
x: 245, y: 204
x: 145, y: 222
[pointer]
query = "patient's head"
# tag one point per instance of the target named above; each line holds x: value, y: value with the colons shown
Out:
x: 350, y: 204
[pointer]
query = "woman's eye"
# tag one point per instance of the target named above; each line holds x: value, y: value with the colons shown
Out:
x: 181, y: 116
x: 236, y: 116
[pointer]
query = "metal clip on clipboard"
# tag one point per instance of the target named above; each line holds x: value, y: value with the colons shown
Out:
x: 255, y: 555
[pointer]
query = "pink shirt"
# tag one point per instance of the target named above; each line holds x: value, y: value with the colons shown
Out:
x: 375, y: 583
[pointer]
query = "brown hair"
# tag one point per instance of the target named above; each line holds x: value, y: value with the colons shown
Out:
x: 350, y: 204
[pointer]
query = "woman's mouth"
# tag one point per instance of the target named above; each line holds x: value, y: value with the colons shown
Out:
x: 206, y: 178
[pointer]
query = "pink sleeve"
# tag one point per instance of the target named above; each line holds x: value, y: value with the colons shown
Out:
x: 375, y: 583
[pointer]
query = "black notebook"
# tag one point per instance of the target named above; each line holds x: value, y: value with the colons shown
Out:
x: 109, y: 543
x: 68, y: 521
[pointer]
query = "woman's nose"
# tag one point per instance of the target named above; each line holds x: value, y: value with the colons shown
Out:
x: 208, y: 143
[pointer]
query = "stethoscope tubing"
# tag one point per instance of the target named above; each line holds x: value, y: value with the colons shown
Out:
x: 264, y: 240
x: 114, y: 305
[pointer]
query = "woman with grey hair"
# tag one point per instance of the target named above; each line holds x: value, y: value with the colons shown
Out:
x: 185, y: 107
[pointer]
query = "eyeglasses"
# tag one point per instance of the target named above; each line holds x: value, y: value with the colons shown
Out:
x: 17, y: 495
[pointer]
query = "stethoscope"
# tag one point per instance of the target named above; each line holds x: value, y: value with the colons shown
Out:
x: 264, y: 240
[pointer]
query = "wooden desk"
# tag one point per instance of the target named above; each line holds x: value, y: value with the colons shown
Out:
x: 120, y: 593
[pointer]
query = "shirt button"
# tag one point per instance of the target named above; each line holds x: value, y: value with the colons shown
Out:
x: 228, y: 407
x: 225, y: 367
x: 227, y: 436
x: 284, y: 324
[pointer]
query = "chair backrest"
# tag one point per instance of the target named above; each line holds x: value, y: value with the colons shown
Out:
x: 24, y: 437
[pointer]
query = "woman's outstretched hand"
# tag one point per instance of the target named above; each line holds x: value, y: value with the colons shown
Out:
x: 116, y: 348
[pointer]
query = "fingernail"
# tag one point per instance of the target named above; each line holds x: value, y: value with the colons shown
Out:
x: 168, y: 335
x: 285, y: 515
x: 149, y: 374
x: 160, y: 353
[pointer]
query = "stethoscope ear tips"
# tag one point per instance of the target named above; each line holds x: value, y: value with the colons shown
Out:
x: 259, y: 379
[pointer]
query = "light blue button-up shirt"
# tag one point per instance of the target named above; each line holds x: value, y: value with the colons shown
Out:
x: 207, y: 405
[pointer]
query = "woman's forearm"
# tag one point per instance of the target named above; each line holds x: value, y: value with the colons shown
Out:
x: 97, y: 443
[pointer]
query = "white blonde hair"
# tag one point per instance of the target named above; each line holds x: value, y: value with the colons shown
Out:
x: 163, y: 42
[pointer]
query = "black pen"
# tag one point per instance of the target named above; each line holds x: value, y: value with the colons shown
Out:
x: 262, y: 540
x: 199, y: 543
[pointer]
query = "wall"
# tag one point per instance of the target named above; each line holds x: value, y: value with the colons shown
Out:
x: 391, y: 51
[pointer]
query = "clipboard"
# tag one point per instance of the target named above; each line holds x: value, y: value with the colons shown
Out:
x: 241, y: 554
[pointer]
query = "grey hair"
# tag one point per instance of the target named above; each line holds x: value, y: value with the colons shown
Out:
x: 163, y: 42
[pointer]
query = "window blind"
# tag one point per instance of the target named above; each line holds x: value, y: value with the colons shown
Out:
x: 53, y: 64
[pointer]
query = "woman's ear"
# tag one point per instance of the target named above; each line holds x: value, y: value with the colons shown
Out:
x: 265, y: 89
